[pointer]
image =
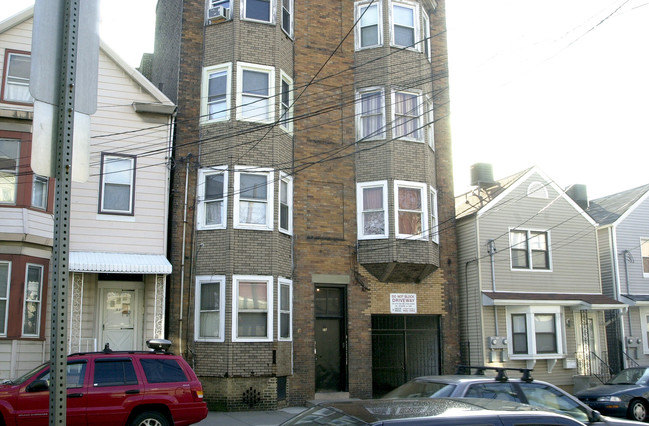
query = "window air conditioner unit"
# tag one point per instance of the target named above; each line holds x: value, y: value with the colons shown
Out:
x: 218, y: 13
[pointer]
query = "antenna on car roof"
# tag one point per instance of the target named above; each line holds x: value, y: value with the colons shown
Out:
x: 107, y: 349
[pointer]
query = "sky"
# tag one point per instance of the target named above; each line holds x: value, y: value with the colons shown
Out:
x: 558, y: 84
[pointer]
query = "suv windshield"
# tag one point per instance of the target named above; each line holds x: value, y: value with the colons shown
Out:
x: 421, y: 389
x: 20, y: 380
x: 630, y: 376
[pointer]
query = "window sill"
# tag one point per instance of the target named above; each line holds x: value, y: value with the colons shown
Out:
x: 252, y: 228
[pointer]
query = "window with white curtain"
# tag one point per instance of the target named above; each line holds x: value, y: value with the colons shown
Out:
x: 252, y: 310
x: 411, y: 210
x: 406, y: 111
x: 16, y: 78
x: 117, y: 184
x: 255, y: 92
x: 209, y: 318
x: 212, y: 198
x: 369, y: 28
x: 370, y: 113
x: 372, y: 203
x: 215, y: 94
x: 33, y: 300
x: 253, y: 198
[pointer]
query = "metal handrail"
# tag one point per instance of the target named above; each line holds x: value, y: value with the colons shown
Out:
x: 630, y: 361
x: 604, y: 371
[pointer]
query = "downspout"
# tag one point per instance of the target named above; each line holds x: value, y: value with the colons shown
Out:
x: 182, y: 259
x: 491, y: 249
x: 626, y: 255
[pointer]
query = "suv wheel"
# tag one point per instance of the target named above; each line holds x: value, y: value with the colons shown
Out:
x: 150, y: 418
x: 637, y: 411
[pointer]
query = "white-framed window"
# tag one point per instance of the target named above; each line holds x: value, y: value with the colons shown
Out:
x: 258, y: 10
x: 285, y: 213
x: 406, y: 116
x: 39, y: 192
x: 411, y: 210
x: 284, y: 309
x: 255, y: 92
x: 33, y: 300
x: 534, y: 332
x: 286, y: 102
x: 370, y: 113
x: 222, y: 3
x: 212, y: 198
x: 5, y: 283
x: 209, y: 308
x: 434, y: 218
x: 215, y: 93
x: 253, y: 198
x: 405, y: 25
x: 644, y: 326
x: 9, y: 160
x: 369, y: 30
x: 252, y: 308
x: 430, y: 125
x: 372, y: 205
x: 117, y: 186
x: 644, y: 247
x: 15, y: 87
x: 529, y: 249
x: 426, y: 41
x: 287, y: 17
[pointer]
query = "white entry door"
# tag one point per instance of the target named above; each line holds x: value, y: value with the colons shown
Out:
x: 119, y: 318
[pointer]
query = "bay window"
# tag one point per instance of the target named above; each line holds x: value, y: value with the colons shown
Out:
x: 215, y: 93
x: 434, y: 219
x: 534, y: 331
x: 209, y: 320
x: 252, y: 313
x: 15, y: 86
x: 406, y: 111
x: 286, y: 103
x: 369, y: 28
x: 372, y: 202
x: 255, y: 92
x: 5, y: 281
x: 258, y: 10
x: 411, y: 210
x: 39, y: 192
x: 285, y: 309
x: 285, y: 203
x: 9, y: 157
x: 33, y: 299
x: 287, y: 17
x: 405, y: 28
x: 253, y: 198
x: 370, y: 113
x: 212, y: 198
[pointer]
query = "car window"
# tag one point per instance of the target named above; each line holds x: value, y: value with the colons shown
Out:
x: 75, y: 375
x: 629, y: 376
x: 421, y: 389
x: 544, y: 396
x: 162, y: 370
x: 501, y: 391
x: 114, y: 372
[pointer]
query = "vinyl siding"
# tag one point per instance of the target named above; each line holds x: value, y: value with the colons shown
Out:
x: 470, y: 295
x: 26, y: 224
x: 572, y: 241
x: 629, y: 234
x: 607, y: 267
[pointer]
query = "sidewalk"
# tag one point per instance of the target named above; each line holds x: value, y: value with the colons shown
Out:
x: 250, y: 418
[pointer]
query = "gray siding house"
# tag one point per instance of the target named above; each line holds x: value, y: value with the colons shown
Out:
x: 623, y: 234
x: 529, y: 278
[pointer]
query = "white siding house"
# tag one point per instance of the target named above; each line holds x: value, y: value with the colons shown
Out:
x: 118, y: 218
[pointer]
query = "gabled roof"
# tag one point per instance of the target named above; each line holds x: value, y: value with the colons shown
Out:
x: 483, y: 198
x: 473, y: 201
x: 613, y: 208
x: 149, y: 87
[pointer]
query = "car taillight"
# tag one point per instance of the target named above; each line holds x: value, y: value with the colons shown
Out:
x: 198, y: 393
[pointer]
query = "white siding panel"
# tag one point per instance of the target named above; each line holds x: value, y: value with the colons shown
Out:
x: 629, y: 234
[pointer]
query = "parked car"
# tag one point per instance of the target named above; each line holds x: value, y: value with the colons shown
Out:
x: 430, y: 411
x: 111, y: 388
x: 625, y: 395
x: 500, y: 387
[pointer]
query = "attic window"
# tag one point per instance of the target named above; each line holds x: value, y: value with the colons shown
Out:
x: 537, y: 190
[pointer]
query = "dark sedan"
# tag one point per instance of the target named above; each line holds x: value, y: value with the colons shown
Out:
x: 625, y: 395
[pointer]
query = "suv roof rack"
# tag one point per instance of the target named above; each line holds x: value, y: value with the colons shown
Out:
x: 501, y: 372
x: 157, y: 346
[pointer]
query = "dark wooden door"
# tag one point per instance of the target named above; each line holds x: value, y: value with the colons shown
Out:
x: 330, y: 338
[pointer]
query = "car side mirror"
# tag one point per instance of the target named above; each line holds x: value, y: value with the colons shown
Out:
x: 596, y: 417
x: 38, y: 386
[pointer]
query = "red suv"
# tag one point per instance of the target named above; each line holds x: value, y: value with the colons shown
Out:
x: 131, y: 388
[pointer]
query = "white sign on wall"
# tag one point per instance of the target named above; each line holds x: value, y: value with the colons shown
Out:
x: 403, y: 303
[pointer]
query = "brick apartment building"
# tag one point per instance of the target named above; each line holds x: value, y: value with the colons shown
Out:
x: 312, y: 215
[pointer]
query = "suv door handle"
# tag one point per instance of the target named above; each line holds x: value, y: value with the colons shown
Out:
x: 75, y: 395
x: 132, y: 391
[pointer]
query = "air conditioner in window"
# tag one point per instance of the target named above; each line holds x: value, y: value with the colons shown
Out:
x: 217, y: 14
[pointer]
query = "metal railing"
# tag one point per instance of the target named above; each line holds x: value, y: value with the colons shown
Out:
x: 630, y: 362
x: 594, y: 365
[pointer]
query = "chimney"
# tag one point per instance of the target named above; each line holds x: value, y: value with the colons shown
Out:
x: 579, y: 195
